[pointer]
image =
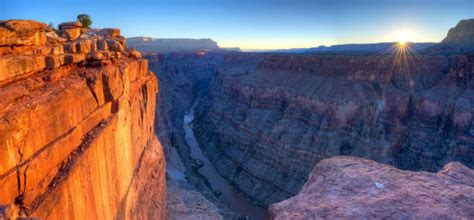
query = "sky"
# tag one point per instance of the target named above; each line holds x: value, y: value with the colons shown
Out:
x: 259, y: 24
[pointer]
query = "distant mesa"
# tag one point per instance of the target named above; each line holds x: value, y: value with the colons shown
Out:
x: 459, y: 39
x: 372, y: 48
x: 167, y: 45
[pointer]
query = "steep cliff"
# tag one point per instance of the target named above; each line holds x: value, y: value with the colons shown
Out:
x: 76, y: 126
x: 183, y: 77
x: 461, y: 37
x: 269, y: 119
x: 355, y: 188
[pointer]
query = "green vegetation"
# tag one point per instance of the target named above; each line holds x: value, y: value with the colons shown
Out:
x: 85, y: 20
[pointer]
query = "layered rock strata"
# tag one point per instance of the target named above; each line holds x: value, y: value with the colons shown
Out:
x: 183, y: 78
x: 270, y: 118
x: 76, y: 127
x: 355, y: 188
x: 163, y: 45
x: 460, y: 38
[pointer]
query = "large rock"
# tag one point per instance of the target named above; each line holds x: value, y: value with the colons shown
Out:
x: 71, y: 33
x: 13, y: 67
x: 109, y: 32
x: 22, y: 32
x: 64, y: 123
x: 459, y: 40
x: 355, y: 188
x: 53, y: 38
x: 461, y: 37
x: 69, y: 25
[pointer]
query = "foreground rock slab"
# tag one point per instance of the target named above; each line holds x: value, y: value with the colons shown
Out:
x: 355, y: 188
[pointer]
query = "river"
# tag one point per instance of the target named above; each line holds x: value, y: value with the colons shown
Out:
x: 236, y: 201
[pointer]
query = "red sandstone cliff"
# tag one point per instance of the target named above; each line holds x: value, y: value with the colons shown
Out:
x: 76, y: 126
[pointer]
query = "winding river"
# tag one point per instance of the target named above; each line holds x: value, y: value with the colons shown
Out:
x: 236, y: 201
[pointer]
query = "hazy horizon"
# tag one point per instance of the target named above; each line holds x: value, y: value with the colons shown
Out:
x: 261, y: 25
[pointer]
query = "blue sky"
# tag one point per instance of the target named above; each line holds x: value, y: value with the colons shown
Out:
x: 259, y: 24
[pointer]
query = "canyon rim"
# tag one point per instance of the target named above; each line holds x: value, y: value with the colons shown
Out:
x: 121, y: 123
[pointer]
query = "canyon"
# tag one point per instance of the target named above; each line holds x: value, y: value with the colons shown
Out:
x: 266, y: 120
x: 92, y: 128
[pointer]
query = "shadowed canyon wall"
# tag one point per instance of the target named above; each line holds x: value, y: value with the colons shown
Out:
x: 77, y: 134
x: 269, y: 119
x: 183, y: 78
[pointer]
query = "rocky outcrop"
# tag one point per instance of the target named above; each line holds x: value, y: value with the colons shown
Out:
x: 76, y: 127
x: 355, y: 188
x: 270, y: 118
x: 460, y: 39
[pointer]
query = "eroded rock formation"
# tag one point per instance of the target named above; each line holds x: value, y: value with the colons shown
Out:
x: 76, y: 126
x: 355, y: 188
x: 461, y: 37
x: 270, y: 118
x: 183, y: 77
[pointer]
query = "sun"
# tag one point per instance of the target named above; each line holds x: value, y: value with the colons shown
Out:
x: 403, y: 35
x: 402, y: 44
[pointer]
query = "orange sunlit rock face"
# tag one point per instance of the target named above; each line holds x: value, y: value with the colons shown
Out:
x: 76, y: 127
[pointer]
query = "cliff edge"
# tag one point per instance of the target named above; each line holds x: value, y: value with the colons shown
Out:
x: 460, y: 38
x: 356, y: 188
x: 76, y: 125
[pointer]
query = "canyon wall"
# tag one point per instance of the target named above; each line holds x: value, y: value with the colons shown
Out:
x: 183, y: 78
x: 459, y: 38
x: 77, y: 134
x: 269, y: 119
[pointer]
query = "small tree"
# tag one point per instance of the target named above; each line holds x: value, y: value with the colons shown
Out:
x: 85, y: 20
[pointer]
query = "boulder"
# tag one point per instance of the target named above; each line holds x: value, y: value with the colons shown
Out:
x: 23, y: 25
x: 83, y: 46
x: 101, y: 44
x: 354, y: 188
x: 71, y: 34
x: 22, y: 32
x: 13, y: 67
x: 133, y: 53
x: 122, y: 40
x: 109, y: 32
x: 114, y: 45
x: 70, y: 25
x: 53, y: 38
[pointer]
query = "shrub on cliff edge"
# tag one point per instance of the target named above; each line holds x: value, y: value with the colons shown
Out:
x: 85, y: 20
